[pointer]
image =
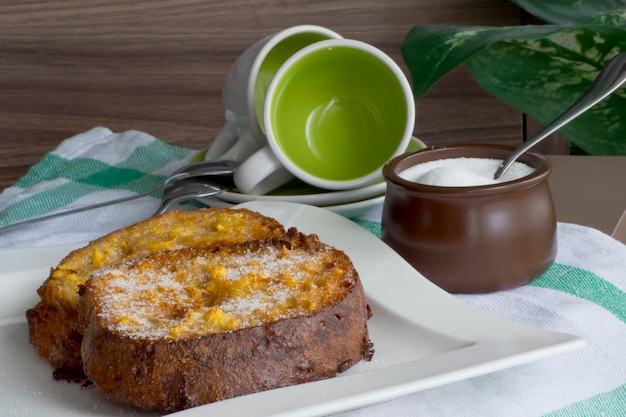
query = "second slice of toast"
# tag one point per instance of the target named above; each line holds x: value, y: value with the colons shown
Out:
x: 178, y: 329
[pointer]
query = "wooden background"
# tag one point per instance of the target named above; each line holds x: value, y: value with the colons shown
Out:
x: 158, y: 66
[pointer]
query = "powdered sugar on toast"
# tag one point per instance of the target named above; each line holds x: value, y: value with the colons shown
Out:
x: 197, y: 292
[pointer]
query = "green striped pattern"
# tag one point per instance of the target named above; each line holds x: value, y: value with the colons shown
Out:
x: 612, y: 404
x: 84, y: 175
x: 588, y: 286
x: 373, y: 227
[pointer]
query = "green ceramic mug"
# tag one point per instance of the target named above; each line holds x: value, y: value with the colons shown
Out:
x: 334, y: 114
x: 246, y: 85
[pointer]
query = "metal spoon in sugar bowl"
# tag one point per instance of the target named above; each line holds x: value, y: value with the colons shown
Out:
x: 608, y: 80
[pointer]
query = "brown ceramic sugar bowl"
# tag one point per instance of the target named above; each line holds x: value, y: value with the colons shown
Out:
x: 471, y: 239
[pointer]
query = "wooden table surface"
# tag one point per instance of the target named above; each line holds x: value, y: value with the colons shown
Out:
x: 158, y: 66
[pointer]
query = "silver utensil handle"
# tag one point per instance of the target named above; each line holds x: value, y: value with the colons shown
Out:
x: 76, y: 210
x: 608, y: 80
x: 196, y: 170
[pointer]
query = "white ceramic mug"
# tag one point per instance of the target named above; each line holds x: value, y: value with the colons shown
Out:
x: 334, y: 114
x: 245, y: 87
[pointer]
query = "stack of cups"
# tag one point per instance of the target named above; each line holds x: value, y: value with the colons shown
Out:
x: 306, y: 103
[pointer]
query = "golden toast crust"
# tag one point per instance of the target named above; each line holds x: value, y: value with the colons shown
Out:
x: 178, y: 329
x: 53, y: 322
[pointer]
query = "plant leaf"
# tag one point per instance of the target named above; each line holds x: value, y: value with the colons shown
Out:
x: 430, y: 52
x: 538, y: 70
x: 577, y: 12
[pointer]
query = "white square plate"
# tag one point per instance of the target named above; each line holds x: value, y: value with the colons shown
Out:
x: 423, y: 336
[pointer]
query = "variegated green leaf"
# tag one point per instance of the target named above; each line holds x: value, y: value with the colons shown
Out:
x: 538, y: 70
x: 577, y: 12
x: 430, y: 52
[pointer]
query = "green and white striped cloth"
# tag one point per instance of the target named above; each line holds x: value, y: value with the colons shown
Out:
x: 583, y: 293
x: 88, y: 168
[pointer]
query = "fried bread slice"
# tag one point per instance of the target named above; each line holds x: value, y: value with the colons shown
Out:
x: 179, y: 329
x: 53, y: 322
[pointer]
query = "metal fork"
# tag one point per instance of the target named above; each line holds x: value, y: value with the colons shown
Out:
x: 196, y: 170
x: 192, y: 188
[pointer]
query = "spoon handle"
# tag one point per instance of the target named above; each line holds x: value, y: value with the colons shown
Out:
x: 78, y: 210
x: 608, y: 80
x: 197, y: 170
x: 168, y: 180
x: 168, y: 203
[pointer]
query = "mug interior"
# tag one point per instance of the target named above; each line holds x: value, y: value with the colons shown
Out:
x: 338, y: 111
x: 275, y: 54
